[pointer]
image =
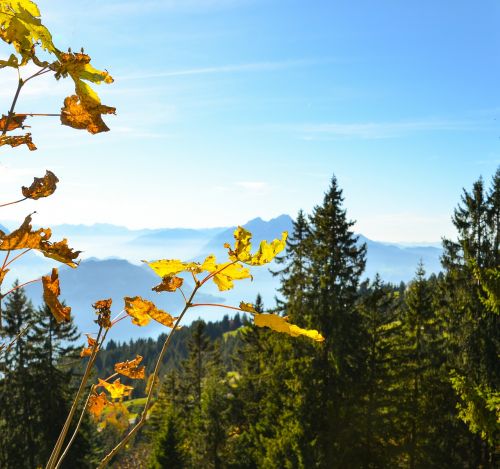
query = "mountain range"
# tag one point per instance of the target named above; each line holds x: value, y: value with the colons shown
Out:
x: 111, y: 267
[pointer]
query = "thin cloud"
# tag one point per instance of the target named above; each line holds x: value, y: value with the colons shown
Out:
x: 233, y: 68
x: 252, y: 185
x: 375, y: 130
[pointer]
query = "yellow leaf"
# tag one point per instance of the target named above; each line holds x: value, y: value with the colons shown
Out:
x: 248, y: 307
x: 131, y: 368
x: 143, y: 310
x: 280, y: 324
x: 51, y: 291
x: 242, y: 248
x: 21, y: 26
x: 169, y: 283
x: 116, y: 389
x: 61, y: 252
x: 16, y: 140
x: 138, y: 309
x: 41, y: 187
x: 97, y: 403
x: 226, y: 272
x: 169, y: 267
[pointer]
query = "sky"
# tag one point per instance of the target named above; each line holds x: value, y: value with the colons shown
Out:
x: 232, y: 109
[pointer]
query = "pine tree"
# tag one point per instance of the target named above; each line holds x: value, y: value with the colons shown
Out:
x: 472, y: 263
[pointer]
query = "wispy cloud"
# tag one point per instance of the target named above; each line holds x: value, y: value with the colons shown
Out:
x: 232, y: 68
x: 374, y: 130
x: 252, y: 185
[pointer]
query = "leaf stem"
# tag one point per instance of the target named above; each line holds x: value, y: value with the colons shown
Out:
x: 104, y: 462
x: 57, y: 448
x: 17, y: 257
x: 21, y: 286
x: 219, y: 306
x: 20, y: 84
x: 82, y: 413
x: 12, y: 203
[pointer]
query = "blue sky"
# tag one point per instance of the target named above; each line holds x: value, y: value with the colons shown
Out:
x: 233, y: 109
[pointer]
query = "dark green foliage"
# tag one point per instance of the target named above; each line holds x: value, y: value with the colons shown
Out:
x: 37, y: 387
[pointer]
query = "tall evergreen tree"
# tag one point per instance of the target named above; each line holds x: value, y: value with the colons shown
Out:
x: 472, y: 265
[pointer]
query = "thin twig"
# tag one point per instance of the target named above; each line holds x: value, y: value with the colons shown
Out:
x: 218, y: 305
x: 17, y: 287
x: 17, y: 257
x: 57, y: 448
x: 104, y: 462
x: 12, y: 106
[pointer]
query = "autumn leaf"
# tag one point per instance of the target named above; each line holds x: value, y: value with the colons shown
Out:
x: 16, y: 140
x: 247, y: 307
x: 116, y: 389
x: 138, y: 309
x: 25, y: 238
x: 131, y: 368
x: 169, y: 267
x: 87, y: 351
x: 169, y: 283
x: 15, y: 122
x: 80, y: 115
x: 97, y: 403
x: 103, y: 312
x: 21, y: 26
x: 243, y: 246
x: 41, y: 187
x: 60, y: 252
x: 226, y: 272
x: 143, y: 310
x: 280, y: 324
x: 51, y: 292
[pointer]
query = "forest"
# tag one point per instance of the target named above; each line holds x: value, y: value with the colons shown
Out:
x: 407, y: 376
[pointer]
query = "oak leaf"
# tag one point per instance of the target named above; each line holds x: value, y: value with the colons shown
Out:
x: 116, y: 389
x: 41, y: 187
x: 16, y: 140
x: 97, y: 403
x: 131, y: 368
x: 169, y: 283
x: 51, y: 292
x: 280, y: 324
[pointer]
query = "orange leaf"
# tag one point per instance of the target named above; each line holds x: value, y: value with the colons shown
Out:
x: 96, y: 404
x: 116, y: 389
x: 131, y: 368
x: 3, y: 273
x: 15, y: 122
x: 16, y: 140
x: 41, y: 187
x: 103, y: 304
x: 87, y: 351
x: 143, y: 310
x: 51, y: 291
x: 85, y: 115
x: 25, y: 238
x: 169, y: 283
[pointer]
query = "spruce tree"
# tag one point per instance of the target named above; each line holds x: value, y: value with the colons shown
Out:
x: 471, y: 263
